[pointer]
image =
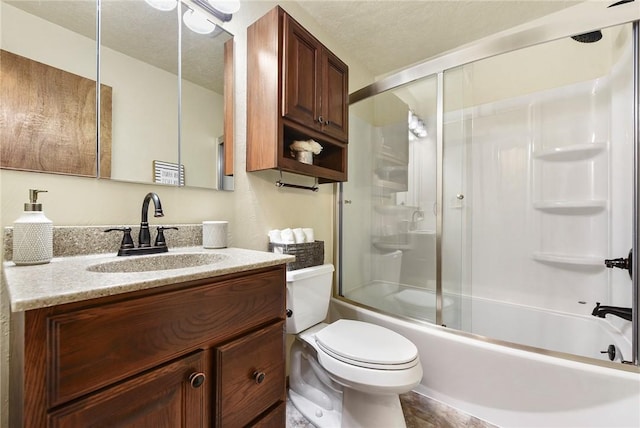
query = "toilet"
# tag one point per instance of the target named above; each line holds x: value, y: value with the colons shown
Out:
x: 347, y: 373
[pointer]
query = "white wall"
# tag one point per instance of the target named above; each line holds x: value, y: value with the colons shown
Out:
x: 255, y: 206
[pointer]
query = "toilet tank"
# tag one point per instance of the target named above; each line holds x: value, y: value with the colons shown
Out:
x: 308, y: 296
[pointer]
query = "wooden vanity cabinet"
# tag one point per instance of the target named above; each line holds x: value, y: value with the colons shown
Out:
x: 296, y: 90
x: 207, y: 353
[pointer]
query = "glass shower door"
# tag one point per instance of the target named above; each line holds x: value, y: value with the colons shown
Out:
x: 389, y: 203
x: 540, y: 141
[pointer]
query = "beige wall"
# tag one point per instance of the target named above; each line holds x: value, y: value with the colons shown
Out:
x: 255, y: 207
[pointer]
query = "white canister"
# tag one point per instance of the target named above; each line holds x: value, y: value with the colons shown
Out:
x: 214, y: 234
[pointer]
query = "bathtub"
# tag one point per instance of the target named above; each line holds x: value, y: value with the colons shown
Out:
x: 583, y: 335
x: 510, y: 386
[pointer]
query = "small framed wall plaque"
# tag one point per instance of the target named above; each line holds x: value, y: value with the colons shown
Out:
x: 167, y: 173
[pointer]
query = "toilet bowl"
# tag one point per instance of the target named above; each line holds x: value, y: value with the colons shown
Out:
x: 348, y: 373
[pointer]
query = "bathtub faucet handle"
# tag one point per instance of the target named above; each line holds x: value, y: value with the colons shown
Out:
x: 620, y: 263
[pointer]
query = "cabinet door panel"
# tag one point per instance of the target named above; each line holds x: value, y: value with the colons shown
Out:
x: 161, y: 398
x: 241, y: 395
x: 274, y: 418
x: 97, y: 346
x: 302, y: 56
x: 335, y: 94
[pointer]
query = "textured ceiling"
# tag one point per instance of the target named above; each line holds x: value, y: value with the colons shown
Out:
x: 386, y: 35
x: 383, y: 35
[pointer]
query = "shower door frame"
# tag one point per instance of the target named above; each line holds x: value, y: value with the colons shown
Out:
x: 508, y: 41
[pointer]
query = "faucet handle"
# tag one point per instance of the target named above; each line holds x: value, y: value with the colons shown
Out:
x: 127, y: 241
x: 160, y: 241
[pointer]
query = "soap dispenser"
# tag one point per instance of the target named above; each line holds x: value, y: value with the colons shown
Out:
x: 32, y: 234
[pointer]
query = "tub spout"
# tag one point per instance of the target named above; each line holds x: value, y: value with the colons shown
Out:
x: 601, y: 311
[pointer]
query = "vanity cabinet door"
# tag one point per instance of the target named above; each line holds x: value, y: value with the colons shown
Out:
x: 335, y: 93
x: 251, y: 379
x: 316, y: 83
x: 174, y: 395
x: 301, y: 79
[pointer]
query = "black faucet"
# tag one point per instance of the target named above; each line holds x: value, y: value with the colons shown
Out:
x: 144, y: 238
x: 127, y: 247
x: 601, y: 311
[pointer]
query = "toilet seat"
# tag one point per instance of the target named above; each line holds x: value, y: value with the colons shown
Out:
x: 367, y: 345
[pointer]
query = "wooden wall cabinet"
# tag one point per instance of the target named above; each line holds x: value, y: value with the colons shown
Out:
x: 207, y: 353
x: 296, y: 90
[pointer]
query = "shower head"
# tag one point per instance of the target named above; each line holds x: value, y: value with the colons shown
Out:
x: 590, y: 37
x: 594, y: 36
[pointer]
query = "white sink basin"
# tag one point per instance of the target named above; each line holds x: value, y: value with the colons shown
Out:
x: 169, y: 261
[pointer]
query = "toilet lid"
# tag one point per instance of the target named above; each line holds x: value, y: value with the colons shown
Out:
x: 367, y: 345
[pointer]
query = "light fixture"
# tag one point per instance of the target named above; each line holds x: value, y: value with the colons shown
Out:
x: 417, y: 127
x: 225, y: 6
x: 222, y: 9
x: 163, y: 5
x: 197, y: 22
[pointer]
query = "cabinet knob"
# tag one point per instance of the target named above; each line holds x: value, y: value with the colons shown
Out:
x: 321, y: 120
x: 196, y: 379
x: 258, y: 377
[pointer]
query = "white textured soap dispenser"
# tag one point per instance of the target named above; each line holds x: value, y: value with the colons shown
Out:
x: 32, y: 234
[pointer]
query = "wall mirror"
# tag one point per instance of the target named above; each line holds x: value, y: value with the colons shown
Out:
x: 151, y: 120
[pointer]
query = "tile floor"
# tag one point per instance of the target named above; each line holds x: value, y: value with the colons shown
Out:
x: 419, y: 411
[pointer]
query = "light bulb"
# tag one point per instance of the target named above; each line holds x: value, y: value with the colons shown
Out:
x: 197, y: 22
x: 163, y: 5
x: 226, y: 6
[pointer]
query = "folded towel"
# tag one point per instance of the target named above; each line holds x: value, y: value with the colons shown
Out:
x: 287, y: 236
x: 308, y: 234
x: 275, y: 236
x: 299, y: 236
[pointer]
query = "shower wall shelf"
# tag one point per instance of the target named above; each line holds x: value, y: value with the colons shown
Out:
x: 569, y: 260
x: 389, y: 186
x: 391, y: 173
x: 574, y: 152
x: 391, y: 246
x: 389, y: 209
x: 571, y: 207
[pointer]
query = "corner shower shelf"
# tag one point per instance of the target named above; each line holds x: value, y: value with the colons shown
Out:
x: 571, y: 153
x: 389, y: 186
x: 571, y: 207
x: 568, y: 260
x: 391, y: 246
x: 389, y: 209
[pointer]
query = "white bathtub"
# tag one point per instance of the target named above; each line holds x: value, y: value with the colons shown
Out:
x: 583, y: 335
x: 512, y: 387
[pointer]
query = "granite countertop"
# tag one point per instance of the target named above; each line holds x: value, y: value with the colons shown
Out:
x: 67, y: 279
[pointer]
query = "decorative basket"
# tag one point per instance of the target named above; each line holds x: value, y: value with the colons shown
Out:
x: 307, y: 254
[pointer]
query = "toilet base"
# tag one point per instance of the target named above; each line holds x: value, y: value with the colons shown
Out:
x: 362, y: 410
x: 318, y: 416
